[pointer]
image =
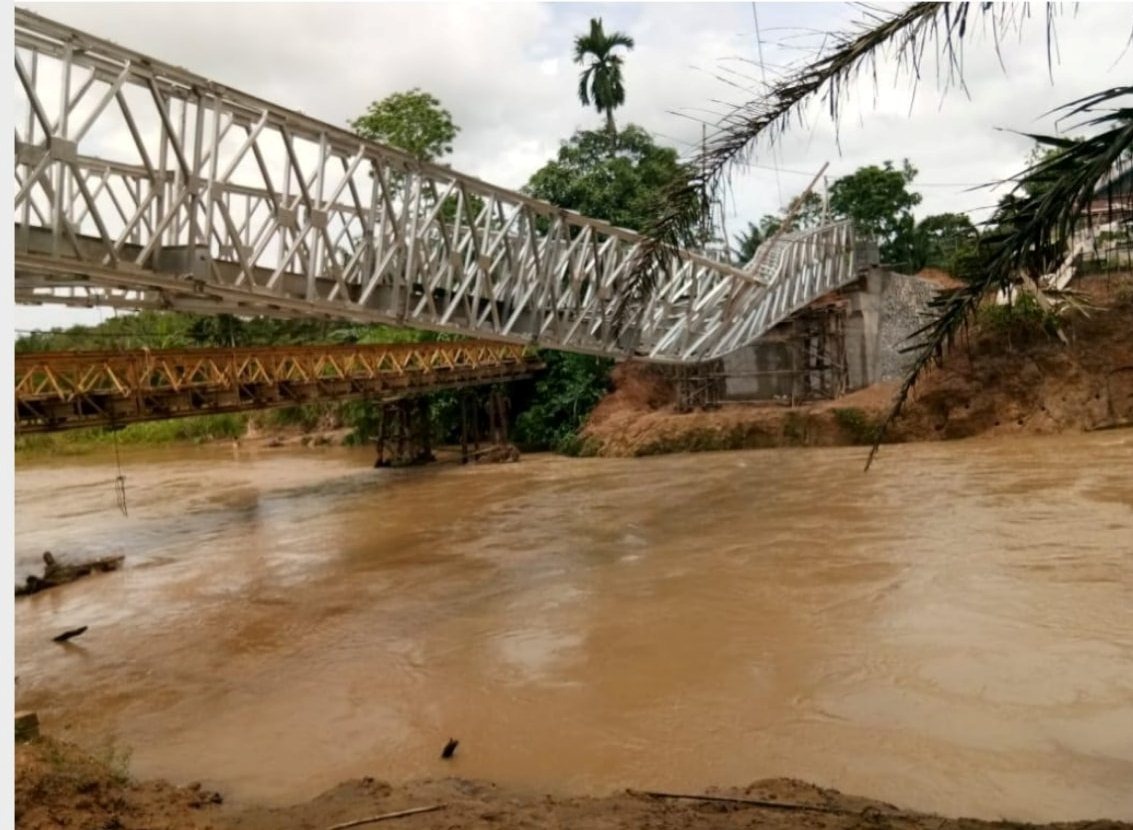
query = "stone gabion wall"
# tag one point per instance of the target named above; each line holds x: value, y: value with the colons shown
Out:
x: 904, y: 304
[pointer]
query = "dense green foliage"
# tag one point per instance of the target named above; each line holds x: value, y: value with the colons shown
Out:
x: 620, y: 177
x: 193, y: 429
x: 1020, y: 321
x: 601, y: 81
x: 805, y: 210
x: 749, y: 240
x: 571, y: 387
x: 942, y: 240
x: 416, y: 122
x: 879, y: 202
x: 413, y: 121
x: 174, y: 330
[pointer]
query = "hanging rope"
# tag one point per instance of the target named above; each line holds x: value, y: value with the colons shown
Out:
x: 119, y: 480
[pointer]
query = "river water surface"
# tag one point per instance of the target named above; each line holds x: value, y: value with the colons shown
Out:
x: 952, y: 631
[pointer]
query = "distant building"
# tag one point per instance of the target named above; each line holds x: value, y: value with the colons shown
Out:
x: 1107, y: 237
x: 1114, y: 200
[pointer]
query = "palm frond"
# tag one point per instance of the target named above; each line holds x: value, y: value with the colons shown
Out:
x: 1070, y: 181
x: 908, y: 33
x: 620, y: 39
x: 599, y: 44
x: 583, y: 86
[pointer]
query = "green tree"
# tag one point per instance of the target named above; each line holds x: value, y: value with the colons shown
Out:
x: 944, y: 237
x: 907, y: 250
x: 770, y: 224
x: 601, y: 80
x: 416, y: 122
x: 571, y: 387
x: 879, y: 202
x: 413, y: 121
x: 747, y: 242
x: 217, y: 330
x: 809, y: 214
x: 1071, y: 180
x: 620, y: 178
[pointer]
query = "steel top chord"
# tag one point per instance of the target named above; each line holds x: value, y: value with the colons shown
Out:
x: 143, y: 185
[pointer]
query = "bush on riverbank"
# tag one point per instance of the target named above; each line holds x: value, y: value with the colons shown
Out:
x: 1010, y: 376
x: 194, y: 429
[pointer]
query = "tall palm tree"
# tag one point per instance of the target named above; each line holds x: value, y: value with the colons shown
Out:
x: 601, y: 81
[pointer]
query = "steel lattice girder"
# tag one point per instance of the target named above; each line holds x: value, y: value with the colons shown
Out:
x: 68, y: 390
x: 142, y: 185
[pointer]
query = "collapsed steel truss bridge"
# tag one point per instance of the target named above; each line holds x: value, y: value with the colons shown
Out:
x: 142, y: 185
x: 68, y: 390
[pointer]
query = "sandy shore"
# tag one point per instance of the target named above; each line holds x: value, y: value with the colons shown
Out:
x: 58, y: 785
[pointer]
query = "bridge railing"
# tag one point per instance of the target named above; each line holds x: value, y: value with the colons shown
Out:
x: 142, y: 184
x: 62, y: 390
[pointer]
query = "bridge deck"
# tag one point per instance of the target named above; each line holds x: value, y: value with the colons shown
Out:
x: 144, y: 185
x: 68, y: 390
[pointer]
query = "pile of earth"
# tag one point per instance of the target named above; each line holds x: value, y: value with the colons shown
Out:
x: 994, y: 381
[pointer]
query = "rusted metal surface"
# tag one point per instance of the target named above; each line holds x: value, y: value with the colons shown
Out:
x: 67, y: 390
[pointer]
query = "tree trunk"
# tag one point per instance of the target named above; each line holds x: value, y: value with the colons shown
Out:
x: 610, y: 128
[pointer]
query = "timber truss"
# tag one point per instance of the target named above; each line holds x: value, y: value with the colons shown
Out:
x: 68, y: 390
x: 142, y: 185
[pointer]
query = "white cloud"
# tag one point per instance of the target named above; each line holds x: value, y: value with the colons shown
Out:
x: 506, y: 73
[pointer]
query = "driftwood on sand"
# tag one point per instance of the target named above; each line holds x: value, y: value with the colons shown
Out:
x: 750, y: 802
x: 55, y: 573
x: 386, y: 816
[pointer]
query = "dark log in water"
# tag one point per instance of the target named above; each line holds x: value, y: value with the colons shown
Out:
x: 55, y: 574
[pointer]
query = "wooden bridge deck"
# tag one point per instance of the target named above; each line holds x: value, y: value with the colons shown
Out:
x: 68, y: 390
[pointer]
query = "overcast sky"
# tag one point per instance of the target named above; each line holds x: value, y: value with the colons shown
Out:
x: 505, y: 72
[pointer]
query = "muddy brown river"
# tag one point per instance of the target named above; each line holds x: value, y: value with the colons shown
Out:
x: 952, y: 631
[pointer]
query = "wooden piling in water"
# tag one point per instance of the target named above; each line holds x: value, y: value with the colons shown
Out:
x: 464, y: 428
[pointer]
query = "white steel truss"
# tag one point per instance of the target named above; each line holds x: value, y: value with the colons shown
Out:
x: 142, y: 185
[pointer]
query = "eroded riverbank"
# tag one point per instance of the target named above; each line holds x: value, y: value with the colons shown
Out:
x: 57, y: 785
x: 949, y: 632
x: 998, y: 382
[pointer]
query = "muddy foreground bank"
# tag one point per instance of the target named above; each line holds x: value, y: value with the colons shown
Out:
x: 58, y: 785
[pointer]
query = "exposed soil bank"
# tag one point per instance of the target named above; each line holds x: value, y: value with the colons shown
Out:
x: 997, y: 381
x: 57, y: 785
